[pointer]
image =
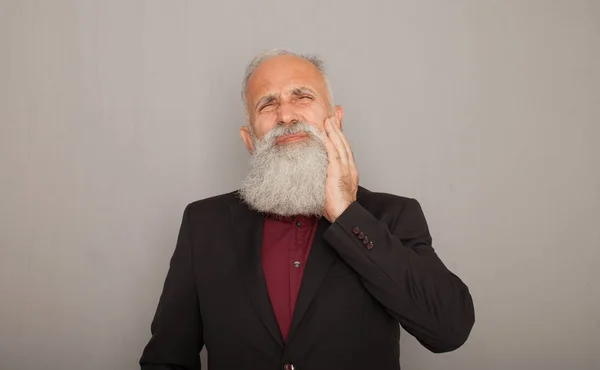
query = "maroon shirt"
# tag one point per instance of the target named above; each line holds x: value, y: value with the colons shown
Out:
x: 285, y: 247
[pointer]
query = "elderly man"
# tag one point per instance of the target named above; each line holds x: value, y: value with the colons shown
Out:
x: 302, y: 268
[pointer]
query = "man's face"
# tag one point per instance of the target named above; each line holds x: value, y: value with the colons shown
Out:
x: 284, y: 90
x: 287, y: 103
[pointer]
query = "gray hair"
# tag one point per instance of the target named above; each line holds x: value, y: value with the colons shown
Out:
x: 268, y: 54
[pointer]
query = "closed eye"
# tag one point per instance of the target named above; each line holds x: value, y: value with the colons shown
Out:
x: 303, y: 93
x: 267, y: 105
x: 265, y: 102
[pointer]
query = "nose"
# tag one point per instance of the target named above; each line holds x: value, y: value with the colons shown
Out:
x: 286, y: 114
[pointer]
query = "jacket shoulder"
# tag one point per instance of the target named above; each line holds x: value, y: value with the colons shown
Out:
x: 213, y: 204
x: 382, y: 200
x: 389, y: 208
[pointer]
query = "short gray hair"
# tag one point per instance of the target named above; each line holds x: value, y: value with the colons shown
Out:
x: 268, y: 54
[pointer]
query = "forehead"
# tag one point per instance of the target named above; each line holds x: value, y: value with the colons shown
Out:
x: 281, y: 73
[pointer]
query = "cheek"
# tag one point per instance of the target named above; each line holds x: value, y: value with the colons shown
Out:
x: 316, y: 118
x: 263, y: 124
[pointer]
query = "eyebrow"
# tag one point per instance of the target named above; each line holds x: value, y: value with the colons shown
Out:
x: 265, y: 99
x: 296, y: 91
x: 302, y: 90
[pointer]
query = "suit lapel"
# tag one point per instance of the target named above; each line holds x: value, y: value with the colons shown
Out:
x: 320, y: 258
x: 248, y: 229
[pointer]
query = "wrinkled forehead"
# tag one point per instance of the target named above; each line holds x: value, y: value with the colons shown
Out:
x: 283, y: 74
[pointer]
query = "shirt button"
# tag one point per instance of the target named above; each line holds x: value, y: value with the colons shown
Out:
x: 297, y: 264
x: 299, y: 224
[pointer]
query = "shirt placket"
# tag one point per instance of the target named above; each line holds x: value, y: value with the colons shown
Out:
x: 296, y: 262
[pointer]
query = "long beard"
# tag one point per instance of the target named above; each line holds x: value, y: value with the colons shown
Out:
x: 288, y: 179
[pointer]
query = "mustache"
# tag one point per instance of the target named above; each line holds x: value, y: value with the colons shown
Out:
x: 295, y: 128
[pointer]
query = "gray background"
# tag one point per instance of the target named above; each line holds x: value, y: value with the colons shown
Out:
x: 116, y: 114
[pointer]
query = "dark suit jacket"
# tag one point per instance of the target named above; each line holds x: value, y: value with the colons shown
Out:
x: 350, y: 301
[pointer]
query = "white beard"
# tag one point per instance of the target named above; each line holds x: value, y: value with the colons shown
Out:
x: 287, y: 179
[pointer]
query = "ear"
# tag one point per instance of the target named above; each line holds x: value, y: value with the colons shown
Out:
x: 339, y: 114
x: 247, y: 138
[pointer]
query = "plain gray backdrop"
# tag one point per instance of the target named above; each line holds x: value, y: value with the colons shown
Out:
x: 116, y: 114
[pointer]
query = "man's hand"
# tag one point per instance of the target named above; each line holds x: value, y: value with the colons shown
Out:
x: 342, y: 175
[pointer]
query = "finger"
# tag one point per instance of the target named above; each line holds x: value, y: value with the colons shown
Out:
x: 332, y: 153
x: 348, y: 151
x: 345, y: 142
x: 335, y: 138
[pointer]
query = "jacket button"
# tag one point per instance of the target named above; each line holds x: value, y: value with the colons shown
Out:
x: 289, y: 367
x: 361, y: 236
x: 356, y: 230
x: 366, y: 241
x: 370, y: 246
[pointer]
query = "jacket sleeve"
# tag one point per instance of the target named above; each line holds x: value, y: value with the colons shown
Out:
x: 177, y: 326
x: 401, y: 270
